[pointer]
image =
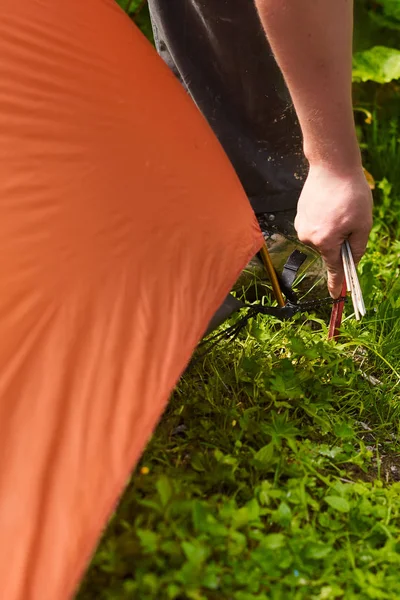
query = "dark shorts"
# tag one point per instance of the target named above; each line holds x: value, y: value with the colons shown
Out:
x: 219, y: 51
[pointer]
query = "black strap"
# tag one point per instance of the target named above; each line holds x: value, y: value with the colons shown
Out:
x: 291, y: 268
x: 283, y: 313
x: 291, y: 308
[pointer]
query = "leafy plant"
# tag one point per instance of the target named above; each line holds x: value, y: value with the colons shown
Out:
x: 380, y: 64
x: 391, y: 9
x: 275, y: 471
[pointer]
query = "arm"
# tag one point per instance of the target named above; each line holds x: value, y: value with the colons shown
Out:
x: 312, y: 43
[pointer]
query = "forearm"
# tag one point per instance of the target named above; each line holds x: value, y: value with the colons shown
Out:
x: 312, y: 43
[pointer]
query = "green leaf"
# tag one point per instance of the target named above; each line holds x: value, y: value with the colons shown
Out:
x: 380, y: 64
x: 325, y: 450
x: 274, y: 541
x: 171, y: 547
x: 237, y: 543
x: 265, y: 455
x: 205, y: 522
x: 317, y: 550
x: 200, y: 515
x: 150, y: 582
x: 173, y: 591
x: 343, y: 431
x: 283, y: 515
x: 148, y: 540
x: 338, y: 503
x: 164, y: 489
x: 329, y: 592
x: 211, y: 577
x: 243, y: 516
x: 195, y: 553
x: 196, y: 463
x: 298, y: 346
x: 253, y: 510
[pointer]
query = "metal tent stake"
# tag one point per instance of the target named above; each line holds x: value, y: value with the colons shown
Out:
x: 352, y: 284
x: 336, y: 315
x: 338, y: 306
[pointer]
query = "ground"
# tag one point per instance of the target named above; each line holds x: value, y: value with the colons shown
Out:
x: 275, y: 471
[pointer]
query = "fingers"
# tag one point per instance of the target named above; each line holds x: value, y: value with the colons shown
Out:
x: 332, y: 209
x: 330, y: 249
x: 333, y: 260
x: 358, y: 243
x: 334, y: 265
x: 328, y: 245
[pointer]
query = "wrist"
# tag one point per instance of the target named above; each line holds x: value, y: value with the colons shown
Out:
x: 341, y: 155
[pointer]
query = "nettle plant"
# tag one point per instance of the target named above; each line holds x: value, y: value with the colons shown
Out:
x: 377, y: 26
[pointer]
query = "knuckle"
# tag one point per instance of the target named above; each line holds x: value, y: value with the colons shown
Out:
x: 304, y: 236
x: 312, y: 236
x: 322, y: 241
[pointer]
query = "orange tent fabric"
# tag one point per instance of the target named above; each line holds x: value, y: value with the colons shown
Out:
x: 122, y: 228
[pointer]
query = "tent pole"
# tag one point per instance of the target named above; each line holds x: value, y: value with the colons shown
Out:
x: 269, y: 267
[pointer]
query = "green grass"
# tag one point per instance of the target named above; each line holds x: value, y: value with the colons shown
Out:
x: 275, y: 471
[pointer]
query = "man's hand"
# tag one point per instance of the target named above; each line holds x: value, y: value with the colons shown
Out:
x: 312, y: 42
x: 334, y: 207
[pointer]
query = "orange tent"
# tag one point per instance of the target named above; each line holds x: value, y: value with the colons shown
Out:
x: 122, y: 228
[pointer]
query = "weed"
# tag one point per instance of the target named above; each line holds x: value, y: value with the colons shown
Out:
x: 274, y: 472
